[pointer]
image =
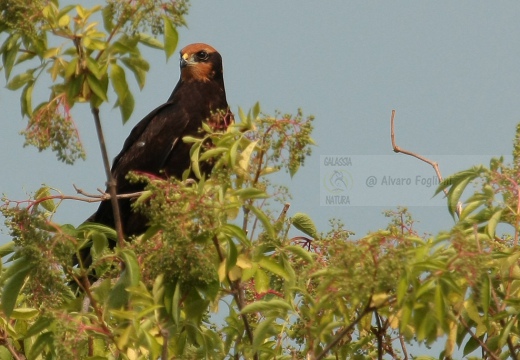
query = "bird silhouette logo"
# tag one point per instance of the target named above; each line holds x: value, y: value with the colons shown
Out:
x: 338, y: 181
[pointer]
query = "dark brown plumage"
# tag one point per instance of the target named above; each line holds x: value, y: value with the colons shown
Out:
x: 155, y: 144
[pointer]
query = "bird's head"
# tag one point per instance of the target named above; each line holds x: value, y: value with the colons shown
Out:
x: 200, y: 62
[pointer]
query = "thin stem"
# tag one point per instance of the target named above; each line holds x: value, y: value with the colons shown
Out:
x: 237, y: 295
x: 397, y: 149
x: 379, y: 336
x: 510, y: 344
x: 165, y: 335
x: 5, y: 342
x: 257, y: 176
x: 111, y: 182
x: 403, y: 346
x: 345, y: 331
x: 476, y: 338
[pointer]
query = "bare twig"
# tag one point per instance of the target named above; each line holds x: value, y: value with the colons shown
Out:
x: 434, y: 164
x: 165, y: 335
x: 286, y: 207
x: 476, y: 338
x: 105, y: 196
x: 238, y: 295
x: 111, y: 182
x: 403, y: 347
x: 90, y: 198
x: 345, y: 331
x: 379, y: 335
x: 12, y: 350
x: 257, y: 176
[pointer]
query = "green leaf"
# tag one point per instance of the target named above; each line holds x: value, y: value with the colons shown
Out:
x: 138, y: 66
x: 457, y: 184
x: 470, y: 346
x: 255, y: 110
x: 273, y: 304
x: 118, y: 78
x: 7, y: 248
x: 176, y: 309
x: 213, y: 152
x: 150, y: 41
x: 268, y: 227
x: 402, y: 289
x: 470, y: 207
x: 300, y: 252
x: 108, y: 16
x: 194, y: 156
x: 293, y: 168
x: 12, y: 288
x: 20, y: 80
x: 64, y: 21
x: 26, y: 99
x: 493, y: 222
x: 506, y: 331
x: 263, y: 331
x: 24, y: 57
x: 47, y: 204
x: 41, y: 324
x: 126, y: 45
x: 305, y: 224
x: 99, y: 242
x: 9, y: 51
x: 125, y: 99
x: 455, y: 193
x: 242, y: 115
x: 233, y: 151
x: 107, y: 231
x: 64, y: 10
x: 44, y: 340
x: 236, y: 232
x: 440, y: 309
x: 406, y: 315
x: 171, y: 37
x: 97, y: 87
x: 245, y: 156
x: 232, y: 255
x: 73, y: 88
x: 274, y: 267
x: 194, y: 305
x: 485, y: 295
x: 127, y: 107
x: 250, y: 193
x: 94, y: 68
x: 262, y: 281
x: 14, y: 267
x: 129, y: 277
x: 4, y: 353
x: 24, y: 313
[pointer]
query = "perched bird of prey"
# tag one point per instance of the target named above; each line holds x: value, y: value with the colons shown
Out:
x: 155, y: 144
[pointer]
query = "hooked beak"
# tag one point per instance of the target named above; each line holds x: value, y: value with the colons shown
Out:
x: 184, y: 61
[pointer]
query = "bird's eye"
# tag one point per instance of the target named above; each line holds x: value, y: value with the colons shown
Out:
x: 202, y: 55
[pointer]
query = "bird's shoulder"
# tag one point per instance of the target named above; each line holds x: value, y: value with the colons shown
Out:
x: 151, y: 125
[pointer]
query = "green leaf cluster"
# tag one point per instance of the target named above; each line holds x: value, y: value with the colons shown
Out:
x: 81, y: 59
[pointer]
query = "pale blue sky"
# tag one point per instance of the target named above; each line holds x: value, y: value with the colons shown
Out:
x: 449, y: 68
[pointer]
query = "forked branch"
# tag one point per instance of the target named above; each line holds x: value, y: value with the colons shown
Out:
x: 397, y: 149
x: 111, y: 182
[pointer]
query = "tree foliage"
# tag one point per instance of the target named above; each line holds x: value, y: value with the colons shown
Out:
x: 81, y: 52
x: 223, y: 271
